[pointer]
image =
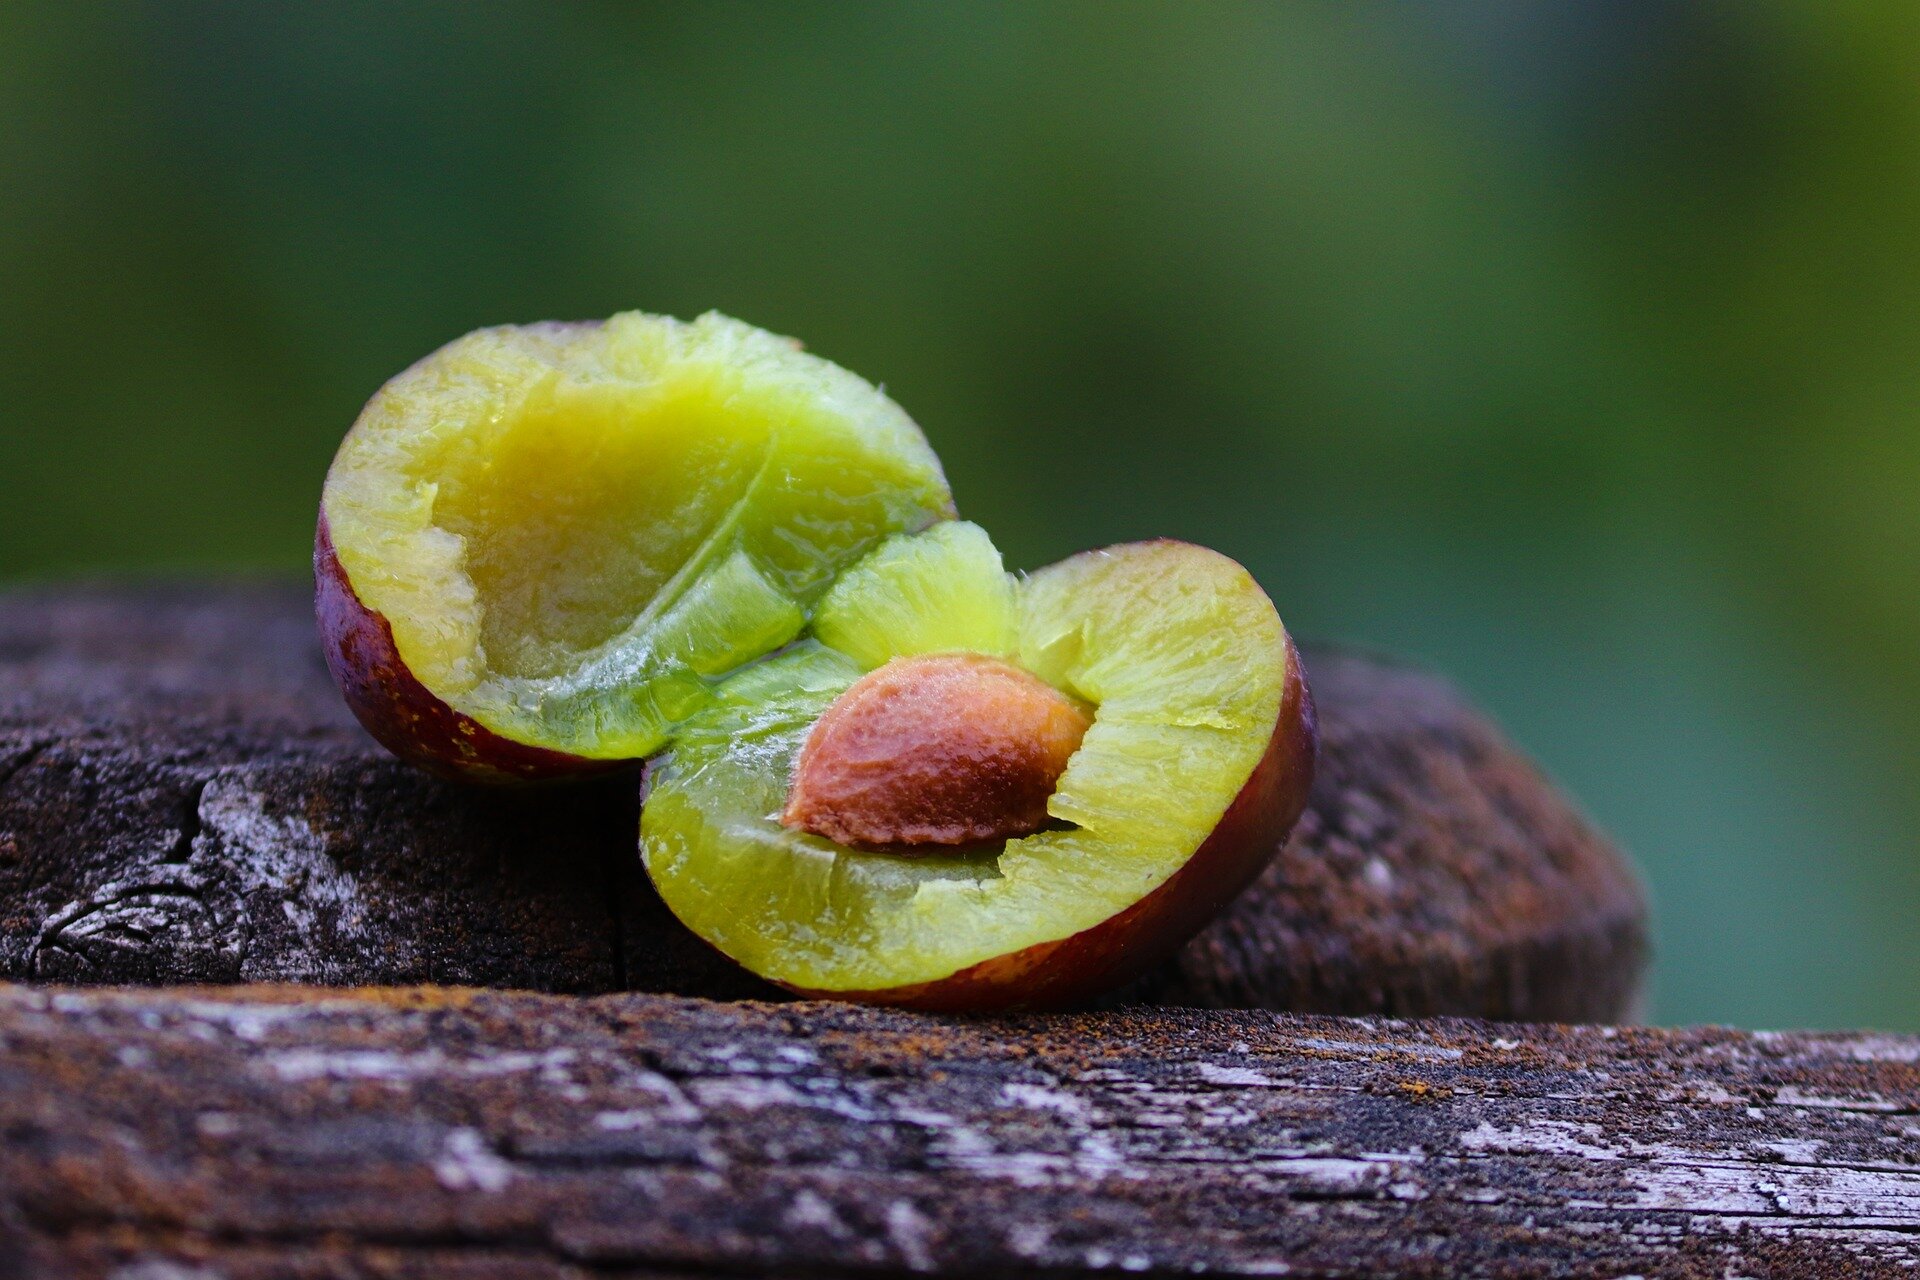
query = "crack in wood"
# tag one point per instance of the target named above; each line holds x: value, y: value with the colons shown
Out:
x: 190, y: 821
x: 23, y: 759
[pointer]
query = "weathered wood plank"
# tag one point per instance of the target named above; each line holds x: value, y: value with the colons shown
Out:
x: 184, y: 798
x: 268, y: 1132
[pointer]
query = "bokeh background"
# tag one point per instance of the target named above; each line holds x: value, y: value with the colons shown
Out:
x: 1572, y: 348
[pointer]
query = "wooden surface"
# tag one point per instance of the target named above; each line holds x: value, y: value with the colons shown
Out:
x: 256, y: 1132
x: 184, y: 798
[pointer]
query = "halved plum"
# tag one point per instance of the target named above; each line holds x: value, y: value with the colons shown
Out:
x: 541, y: 547
x: 1196, y: 762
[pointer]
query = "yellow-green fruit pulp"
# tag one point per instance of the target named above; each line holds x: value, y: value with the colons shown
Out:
x: 574, y: 531
x: 1176, y: 649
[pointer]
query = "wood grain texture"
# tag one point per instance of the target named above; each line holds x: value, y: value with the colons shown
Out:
x: 443, y: 1133
x: 184, y: 798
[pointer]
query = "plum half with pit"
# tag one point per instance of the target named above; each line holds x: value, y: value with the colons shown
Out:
x: 541, y: 546
x: 804, y: 821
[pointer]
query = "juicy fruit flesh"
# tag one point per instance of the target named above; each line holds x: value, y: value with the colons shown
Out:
x: 1177, y: 649
x: 940, y: 591
x: 574, y: 531
x: 567, y: 523
x: 935, y: 749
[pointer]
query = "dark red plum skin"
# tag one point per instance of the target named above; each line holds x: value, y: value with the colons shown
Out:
x: 1073, y: 970
x: 405, y: 716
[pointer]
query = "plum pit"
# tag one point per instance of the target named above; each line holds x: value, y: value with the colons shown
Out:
x: 935, y: 750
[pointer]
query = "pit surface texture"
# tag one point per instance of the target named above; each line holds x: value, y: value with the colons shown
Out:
x: 184, y: 798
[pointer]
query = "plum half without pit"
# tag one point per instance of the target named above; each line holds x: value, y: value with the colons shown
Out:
x: 877, y: 766
x: 539, y: 546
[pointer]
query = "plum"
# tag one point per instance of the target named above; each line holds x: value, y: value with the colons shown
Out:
x: 540, y: 546
x: 878, y: 766
x: 1194, y: 762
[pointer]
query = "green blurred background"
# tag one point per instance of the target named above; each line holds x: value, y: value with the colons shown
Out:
x: 1570, y: 348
